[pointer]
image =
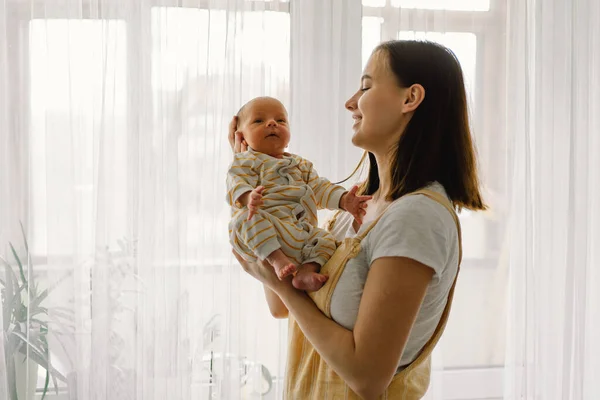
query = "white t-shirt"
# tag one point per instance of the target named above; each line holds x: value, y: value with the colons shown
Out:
x: 415, y: 227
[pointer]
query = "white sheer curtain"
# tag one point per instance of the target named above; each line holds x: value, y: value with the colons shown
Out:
x: 553, y: 116
x: 113, y: 117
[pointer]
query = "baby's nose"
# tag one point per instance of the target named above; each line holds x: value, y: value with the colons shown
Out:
x: 272, y: 122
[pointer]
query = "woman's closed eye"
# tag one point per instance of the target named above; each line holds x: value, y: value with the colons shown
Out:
x: 364, y: 89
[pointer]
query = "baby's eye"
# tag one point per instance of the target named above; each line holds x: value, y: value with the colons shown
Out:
x: 258, y: 121
x: 282, y: 121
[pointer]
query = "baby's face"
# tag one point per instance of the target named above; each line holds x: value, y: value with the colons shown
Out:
x: 265, y: 126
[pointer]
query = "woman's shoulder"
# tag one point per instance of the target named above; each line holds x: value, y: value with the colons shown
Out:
x: 420, y: 209
x: 416, y: 227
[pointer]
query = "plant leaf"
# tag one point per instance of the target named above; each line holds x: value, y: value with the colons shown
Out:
x: 46, y: 384
x: 12, y: 248
x: 11, y: 281
x: 53, y: 377
x: 43, y: 362
x: 54, y: 374
x: 65, y: 310
x: 39, y: 321
x: 62, y: 312
x: 24, y: 237
x: 7, y: 305
x: 17, y: 306
x: 33, y: 311
x: 38, y: 310
x: 32, y: 285
x: 60, y: 341
x: 31, y: 345
x: 38, y: 299
x: 12, y: 380
x: 58, y: 282
x: 4, y: 261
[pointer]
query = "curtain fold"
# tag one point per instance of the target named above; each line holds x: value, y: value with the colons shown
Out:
x: 114, y: 155
x: 553, y: 51
x: 113, y: 117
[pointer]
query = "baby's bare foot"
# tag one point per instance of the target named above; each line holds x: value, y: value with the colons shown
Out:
x: 282, y: 265
x: 309, y: 280
x: 285, y: 270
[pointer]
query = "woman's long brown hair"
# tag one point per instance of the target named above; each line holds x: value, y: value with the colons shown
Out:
x: 436, y: 145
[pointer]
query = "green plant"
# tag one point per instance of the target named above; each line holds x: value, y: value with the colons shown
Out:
x: 25, y: 319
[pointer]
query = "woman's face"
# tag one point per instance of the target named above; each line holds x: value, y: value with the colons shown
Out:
x: 378, y: 107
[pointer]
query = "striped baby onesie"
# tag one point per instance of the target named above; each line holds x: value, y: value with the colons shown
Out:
x: 287, y: 219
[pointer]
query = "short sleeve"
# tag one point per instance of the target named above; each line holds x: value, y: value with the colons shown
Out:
x: 414, y: 228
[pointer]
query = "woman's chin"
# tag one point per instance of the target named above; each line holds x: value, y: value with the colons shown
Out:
x: 357, y: 139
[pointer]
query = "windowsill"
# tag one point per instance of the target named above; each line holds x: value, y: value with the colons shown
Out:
x: 456, y: 384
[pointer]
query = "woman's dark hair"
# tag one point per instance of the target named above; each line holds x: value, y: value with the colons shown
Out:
x: 437, y: 143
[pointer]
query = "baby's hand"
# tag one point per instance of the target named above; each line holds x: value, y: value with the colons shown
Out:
x: 354, y: 204
x: 255, y: 201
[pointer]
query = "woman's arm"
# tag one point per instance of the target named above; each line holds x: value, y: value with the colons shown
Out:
x: 367, y: 358
x: 276, y: 306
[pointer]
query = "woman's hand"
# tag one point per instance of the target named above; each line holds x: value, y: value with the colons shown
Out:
x: 236, y: 138
x: 265, y: 273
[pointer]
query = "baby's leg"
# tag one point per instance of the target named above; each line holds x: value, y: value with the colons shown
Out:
x: 282, y: 265
x: 308, y: 277
x: 319, y: 247
x: 258, y: 238
x: 317, y: 250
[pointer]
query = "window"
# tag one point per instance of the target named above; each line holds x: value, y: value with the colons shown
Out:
x: 473, y: 346
x: 177, y: 57
x: 67, y: 85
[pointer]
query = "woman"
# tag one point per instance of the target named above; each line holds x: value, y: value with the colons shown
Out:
x: 369, y: 331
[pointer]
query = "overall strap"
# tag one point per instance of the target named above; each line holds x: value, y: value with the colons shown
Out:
x: 443, y: 200
x: 437, y: 197
x: 428, y: 348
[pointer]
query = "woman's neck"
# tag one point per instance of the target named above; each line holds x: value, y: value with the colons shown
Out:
x: 385, y: 178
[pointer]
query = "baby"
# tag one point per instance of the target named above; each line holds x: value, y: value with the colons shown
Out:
x: 275, y: 196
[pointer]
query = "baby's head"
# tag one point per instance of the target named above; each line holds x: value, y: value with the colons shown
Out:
x: 263, y: 122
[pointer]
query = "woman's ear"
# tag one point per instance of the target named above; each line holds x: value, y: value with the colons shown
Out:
x: 415, y: 95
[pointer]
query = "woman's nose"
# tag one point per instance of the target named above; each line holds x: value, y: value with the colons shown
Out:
x: 351, y: 103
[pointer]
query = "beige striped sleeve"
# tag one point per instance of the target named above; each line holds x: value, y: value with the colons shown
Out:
x: 242, y: 177
x: 327, y: 194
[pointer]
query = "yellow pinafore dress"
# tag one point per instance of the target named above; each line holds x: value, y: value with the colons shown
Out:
x: 307, y: 374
